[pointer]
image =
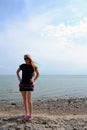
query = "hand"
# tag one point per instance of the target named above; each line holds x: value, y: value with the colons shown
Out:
x: 19, y: 80
x: 32, y: 80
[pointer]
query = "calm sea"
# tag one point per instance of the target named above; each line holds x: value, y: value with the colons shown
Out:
x: 51, y: 86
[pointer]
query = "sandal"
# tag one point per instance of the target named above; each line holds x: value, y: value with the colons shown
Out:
x: 28, y: 117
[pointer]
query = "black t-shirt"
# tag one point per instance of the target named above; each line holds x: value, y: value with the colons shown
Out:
x: 27, y: 72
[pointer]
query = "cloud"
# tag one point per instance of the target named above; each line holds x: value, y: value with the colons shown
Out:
x: 62, y: 30
x: 21, y: 37
x: 55, y: 46
x: 56, y: 41
x: 68, y: 44
x: 67, y: 35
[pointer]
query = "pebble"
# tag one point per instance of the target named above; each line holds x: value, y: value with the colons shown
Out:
x: 55, y: 119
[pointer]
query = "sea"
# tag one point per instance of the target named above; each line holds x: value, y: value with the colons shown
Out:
x: 46, y: 87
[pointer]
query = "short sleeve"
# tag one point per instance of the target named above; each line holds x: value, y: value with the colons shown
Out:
x: 21, y: 66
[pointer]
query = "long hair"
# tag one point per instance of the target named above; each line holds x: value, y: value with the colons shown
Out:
x: 33, y: 63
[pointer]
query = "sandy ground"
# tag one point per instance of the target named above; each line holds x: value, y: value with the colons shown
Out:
x: 59, y: 114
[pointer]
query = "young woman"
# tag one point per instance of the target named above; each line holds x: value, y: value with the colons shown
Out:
x: 26, y: 84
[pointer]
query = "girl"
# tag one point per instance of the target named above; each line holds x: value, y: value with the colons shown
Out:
x: 26, y: 86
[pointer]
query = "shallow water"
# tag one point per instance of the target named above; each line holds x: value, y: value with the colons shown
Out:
x: 47, y: 86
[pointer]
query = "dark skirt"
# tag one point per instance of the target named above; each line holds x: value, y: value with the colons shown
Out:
x: 26, y: 87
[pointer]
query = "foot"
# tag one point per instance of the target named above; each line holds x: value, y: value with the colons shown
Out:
x: 30, y: 118
x: 26, y: 117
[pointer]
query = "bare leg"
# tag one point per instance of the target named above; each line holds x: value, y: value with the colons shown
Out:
x: 30, y: 105
x: 24, y: 95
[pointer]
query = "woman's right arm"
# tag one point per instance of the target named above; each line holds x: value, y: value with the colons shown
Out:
x: 18, y: 75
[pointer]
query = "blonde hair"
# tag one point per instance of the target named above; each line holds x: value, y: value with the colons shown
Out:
x: 33, y: 63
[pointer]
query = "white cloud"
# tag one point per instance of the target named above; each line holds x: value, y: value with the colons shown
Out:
x: 49, y: 45
x: 65, y: 43
x: 62, y: 30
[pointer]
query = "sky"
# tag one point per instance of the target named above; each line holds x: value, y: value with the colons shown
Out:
x: 53, y: 32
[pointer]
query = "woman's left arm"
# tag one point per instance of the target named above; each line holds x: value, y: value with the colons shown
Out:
x: 36, y: 74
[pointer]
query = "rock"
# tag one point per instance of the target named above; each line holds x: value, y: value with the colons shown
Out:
x: 13, y: 103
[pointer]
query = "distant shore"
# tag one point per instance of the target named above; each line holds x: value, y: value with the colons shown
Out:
x: 59, y: 114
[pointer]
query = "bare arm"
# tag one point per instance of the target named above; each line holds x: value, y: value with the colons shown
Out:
x: 36, y: 74
x: 18, y: 75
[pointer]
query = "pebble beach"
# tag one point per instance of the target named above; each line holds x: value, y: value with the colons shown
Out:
x: 58, y: 114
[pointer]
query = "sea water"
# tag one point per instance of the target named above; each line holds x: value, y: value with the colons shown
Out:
x: 47, y: 86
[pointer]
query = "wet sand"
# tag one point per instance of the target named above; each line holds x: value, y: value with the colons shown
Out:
x: 59, y: 114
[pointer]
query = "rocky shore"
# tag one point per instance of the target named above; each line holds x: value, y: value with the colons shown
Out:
x: 59, y: 114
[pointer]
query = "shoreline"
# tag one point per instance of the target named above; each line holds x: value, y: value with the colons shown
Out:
x: 58, y: 114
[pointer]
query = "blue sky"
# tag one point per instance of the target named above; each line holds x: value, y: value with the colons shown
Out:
x: 53, y: 32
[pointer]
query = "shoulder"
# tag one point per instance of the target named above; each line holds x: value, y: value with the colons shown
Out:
x: 31, y: 66
x: 22, y: 65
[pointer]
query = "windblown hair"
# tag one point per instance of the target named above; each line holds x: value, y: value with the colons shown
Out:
x: 31, y: 61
